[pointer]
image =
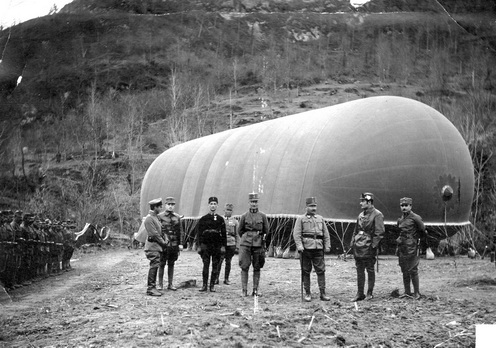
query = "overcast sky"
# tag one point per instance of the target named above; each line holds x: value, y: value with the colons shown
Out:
x: 17, y: 11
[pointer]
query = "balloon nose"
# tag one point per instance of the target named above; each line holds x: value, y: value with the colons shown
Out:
x: 447, y: 192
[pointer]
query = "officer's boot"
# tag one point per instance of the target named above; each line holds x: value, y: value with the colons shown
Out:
x: 306, y: 287
x: 170, y: 275
x: 226, y: 273
x: 360, y: 287
x: 160, y: 285
x: 213, y: 280
x: 205, y: 282
x: 371, y: 283
x: 416, y: 286
x: 256, y: 281
x: 152, y: 277
x: 244, y: 282
x: 406, y: 285
x: 322, y: 285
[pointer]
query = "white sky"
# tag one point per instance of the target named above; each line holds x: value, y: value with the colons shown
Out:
x: 17, y: 11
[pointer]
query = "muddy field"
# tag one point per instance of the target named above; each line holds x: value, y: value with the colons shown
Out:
x: 102, y: 303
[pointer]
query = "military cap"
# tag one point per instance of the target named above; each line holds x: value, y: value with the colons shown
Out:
x: 213, y: 199
x: 406, y: 200
x: 18, y: 213
x: 253, y: 196
x: 155, y: 201
x: 366, y: 196
x: 311, y: 201
x: 229, y: 206
x: 170, y: 200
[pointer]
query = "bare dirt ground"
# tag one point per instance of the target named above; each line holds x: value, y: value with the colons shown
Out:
x: 102, y: 303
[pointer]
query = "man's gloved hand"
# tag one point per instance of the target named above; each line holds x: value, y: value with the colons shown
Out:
x: 223, y: 250
x: 300, y: 249
x: 327, y: 250
x: 181, y: 247
x: 199, y: 249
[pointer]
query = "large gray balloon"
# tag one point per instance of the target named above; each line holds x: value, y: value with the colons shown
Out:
x: 390, y: 146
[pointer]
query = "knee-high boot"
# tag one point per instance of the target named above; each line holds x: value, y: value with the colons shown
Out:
x: 205, y: 281
x: 416, y: 286
x: 227, y: 270
x: 151, y: 282
x: 406, y: 284
x: 360, y: 287
x: 371, y: 283
x: 322, y: 287
x: 306, y: 283
x: 170, y: 276
x: 256, y: 281
x: 244, y: 282
x: 160, y: 285
x: 213, y: 279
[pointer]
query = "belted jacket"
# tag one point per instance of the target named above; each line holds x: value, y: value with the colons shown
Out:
x: 212, y: 230
x: 172, y: 228
x: 253, y: 227
x: 368, y: 233
x: 232, y: 226
x: 412, y: 228
x: 310, y: 232
x: 154, y: 241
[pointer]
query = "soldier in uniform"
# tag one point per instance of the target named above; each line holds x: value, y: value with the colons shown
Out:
x: 211, y: 242
x: 59, y: 246
x: 68, y: 244
x: 20, y: 252
x: 173, y: 231
x: 15, y: 254
x: 493, y: 248
x: 232, y: 242
x: 154, y: 245
x: 312, y: 240
x: 29, y: 237
x: 5, y: 250
x: 369, y: 230
x: 411, y: 228
x: 253, y: 228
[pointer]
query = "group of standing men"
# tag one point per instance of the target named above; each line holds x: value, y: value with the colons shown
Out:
x: 368, y: 233
x: 218, y: 237
x: 32, y: 247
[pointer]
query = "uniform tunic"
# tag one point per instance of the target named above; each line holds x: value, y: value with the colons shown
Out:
x: 232, y: 226
x: 311, y: 235
x: 369, y: 230
x: 411, y: 229
x: 172, y: 230
x: 211, y: 237
x: 253, y: 226
x: 154, y: 241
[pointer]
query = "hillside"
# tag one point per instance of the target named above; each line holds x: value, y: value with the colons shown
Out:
x: 100, y: 79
